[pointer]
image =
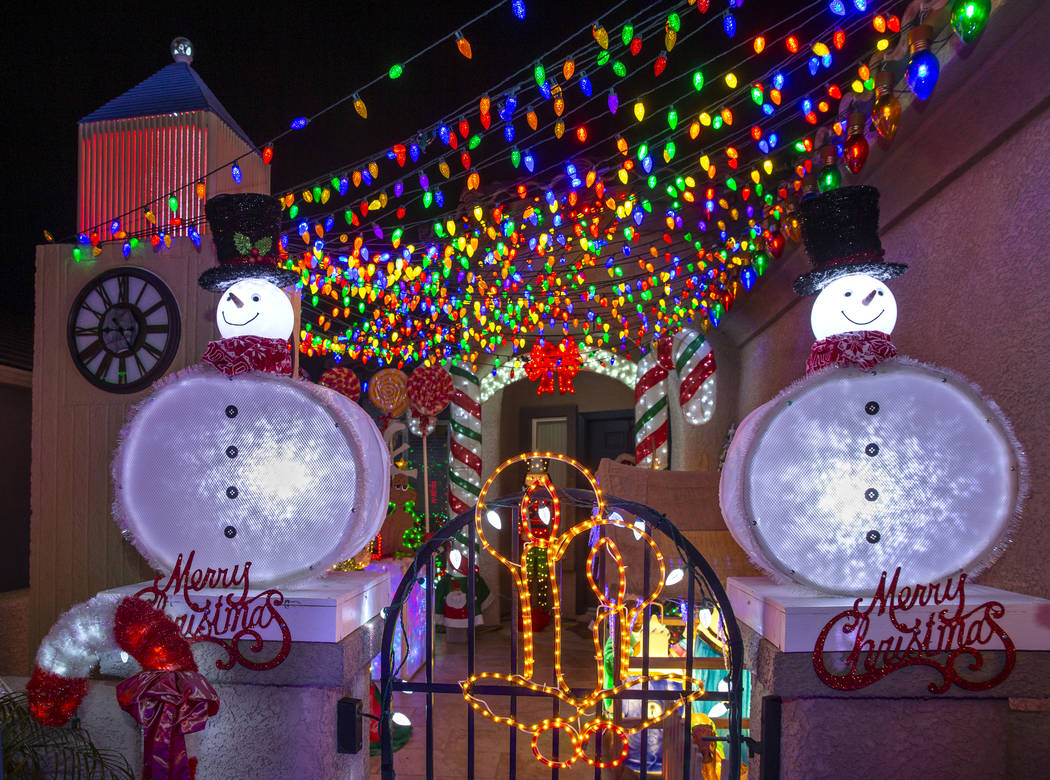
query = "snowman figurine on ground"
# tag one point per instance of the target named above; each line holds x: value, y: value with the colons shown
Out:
x: 873, y: 460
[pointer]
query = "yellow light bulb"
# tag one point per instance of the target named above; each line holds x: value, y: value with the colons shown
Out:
x: 639, y: 111
x: 731, y: 80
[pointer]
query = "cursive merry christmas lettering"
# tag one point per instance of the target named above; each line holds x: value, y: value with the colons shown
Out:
x: 920, y: 634
x: 225, y: 619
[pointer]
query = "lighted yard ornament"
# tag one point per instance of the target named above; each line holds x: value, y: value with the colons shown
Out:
x: 685, y: 359
x: 169, y: 698
x: 581, y: 719
x: 872, y: 461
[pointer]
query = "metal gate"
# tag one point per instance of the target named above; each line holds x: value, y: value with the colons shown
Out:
x: 702, y: 591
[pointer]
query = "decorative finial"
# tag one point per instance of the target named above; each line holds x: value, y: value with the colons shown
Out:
x: 182, y: 50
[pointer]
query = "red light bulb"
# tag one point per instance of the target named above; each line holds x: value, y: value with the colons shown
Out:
x: 855, y: 152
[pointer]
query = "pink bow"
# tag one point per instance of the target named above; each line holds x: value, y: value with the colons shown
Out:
x: 168, y: 705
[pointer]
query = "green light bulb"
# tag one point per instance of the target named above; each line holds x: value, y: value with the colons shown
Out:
x: 396, y: 70
x: 830, y: 178
x: 969, y: 17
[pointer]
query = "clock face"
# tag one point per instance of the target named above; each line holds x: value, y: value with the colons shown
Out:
x: 123, y: 330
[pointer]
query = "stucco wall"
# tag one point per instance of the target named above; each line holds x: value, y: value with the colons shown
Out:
x: 964, y: 204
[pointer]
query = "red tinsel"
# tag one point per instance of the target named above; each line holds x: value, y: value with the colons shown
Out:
x: 548, y: 360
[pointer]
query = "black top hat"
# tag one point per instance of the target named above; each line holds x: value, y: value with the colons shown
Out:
x: 246, y: 229
x: 841, y: 231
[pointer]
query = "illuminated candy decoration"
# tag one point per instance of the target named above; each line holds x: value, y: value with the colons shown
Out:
x: 650, y: 401
x: 464, y: 440
x: 547, y: 540
x: 343, y: 381
x: 429, y: 390
x: 387, y: 391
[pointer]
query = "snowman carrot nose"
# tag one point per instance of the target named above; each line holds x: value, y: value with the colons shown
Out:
x: 239, y: 303
x: 866, y: 301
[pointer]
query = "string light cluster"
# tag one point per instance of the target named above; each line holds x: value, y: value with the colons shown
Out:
x: 540, y: 500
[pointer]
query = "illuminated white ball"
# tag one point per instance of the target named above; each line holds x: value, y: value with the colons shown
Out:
x: 255, y: 307
x: 851, y: 303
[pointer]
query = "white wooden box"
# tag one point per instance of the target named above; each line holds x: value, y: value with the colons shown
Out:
x: 792, y: 618
x: 323, y: 610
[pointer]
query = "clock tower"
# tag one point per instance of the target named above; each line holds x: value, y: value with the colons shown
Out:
x: 119, y: 310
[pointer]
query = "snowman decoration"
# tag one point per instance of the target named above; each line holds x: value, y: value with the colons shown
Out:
x: 232, y: 459
x: 873, y: 460
x: 237, y: 460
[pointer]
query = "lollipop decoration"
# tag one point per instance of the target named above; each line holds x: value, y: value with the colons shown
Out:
x: 344, y: 381
x: 429, y: 391
x: 387, y: 391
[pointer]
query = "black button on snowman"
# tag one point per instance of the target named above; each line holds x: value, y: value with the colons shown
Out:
x: 872, y: 461
x: 235, y: 459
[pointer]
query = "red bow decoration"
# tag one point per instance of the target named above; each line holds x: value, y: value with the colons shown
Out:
x: 240, y: 354
x: 168, y: 706
x: 547, y: 360
x: 863, y: 349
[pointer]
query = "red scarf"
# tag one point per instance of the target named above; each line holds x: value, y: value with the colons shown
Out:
x: 864, y: 349
x: 241, y: 354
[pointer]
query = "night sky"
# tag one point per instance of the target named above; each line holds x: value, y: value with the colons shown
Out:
x: 265, y: 68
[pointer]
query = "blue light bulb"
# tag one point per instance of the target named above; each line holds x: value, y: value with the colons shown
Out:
x: 837, y: 7
x: 729, y: 24
x: 923, y: 70
x: 585, y: 85
x: 235, y: 172
x: 518, y: 7
x: 508, y: 132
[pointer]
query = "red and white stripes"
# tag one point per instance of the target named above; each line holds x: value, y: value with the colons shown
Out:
x: 464, y: 465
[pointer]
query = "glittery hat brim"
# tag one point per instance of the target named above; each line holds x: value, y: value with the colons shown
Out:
x: 219, y: 278
x: 812, y: 282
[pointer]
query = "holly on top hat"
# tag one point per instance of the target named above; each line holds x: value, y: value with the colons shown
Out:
x: 246, y: 229
x: 840, y: 229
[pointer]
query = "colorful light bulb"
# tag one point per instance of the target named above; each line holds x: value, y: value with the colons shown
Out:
x: 923, y: 67
x: 969, y: 17
x: 639, y: 110
x: 830, y: 177
x: 235, y: 172
x: 613, y: 102
x: 396, y: 70
x: 855, y: 152
x: 463, y: 45
x: 585, y: 85
x: 518, y: 7
x: 886, y: 114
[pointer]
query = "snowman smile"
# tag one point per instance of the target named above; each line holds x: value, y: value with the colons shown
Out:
x: 863, y: 323
x: 242, y: 324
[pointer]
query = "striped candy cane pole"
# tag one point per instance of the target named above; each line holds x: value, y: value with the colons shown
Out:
x: 695, y: 366
x: 464, y: 472
x: 650, y: 406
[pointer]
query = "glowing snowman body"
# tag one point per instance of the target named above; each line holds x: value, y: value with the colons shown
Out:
x: 284, y: 473
x: 848, y: 473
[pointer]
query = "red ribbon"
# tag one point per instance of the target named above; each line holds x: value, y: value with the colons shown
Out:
x: 168, y: 705
x: 241, y: 354
x: 863, y: 349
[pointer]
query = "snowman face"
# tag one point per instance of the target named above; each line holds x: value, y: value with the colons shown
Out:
x: 255, y: 307
x: 853, y: 302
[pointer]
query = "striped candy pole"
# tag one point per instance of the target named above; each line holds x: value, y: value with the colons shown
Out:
x: 695, y: 366
x: 650, y: 406
x: 464, y: 463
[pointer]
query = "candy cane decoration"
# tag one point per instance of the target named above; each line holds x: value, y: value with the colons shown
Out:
x: 464, y: 473
x: 650, y: 405
x: 695, y: 366
x: 106, y: 623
